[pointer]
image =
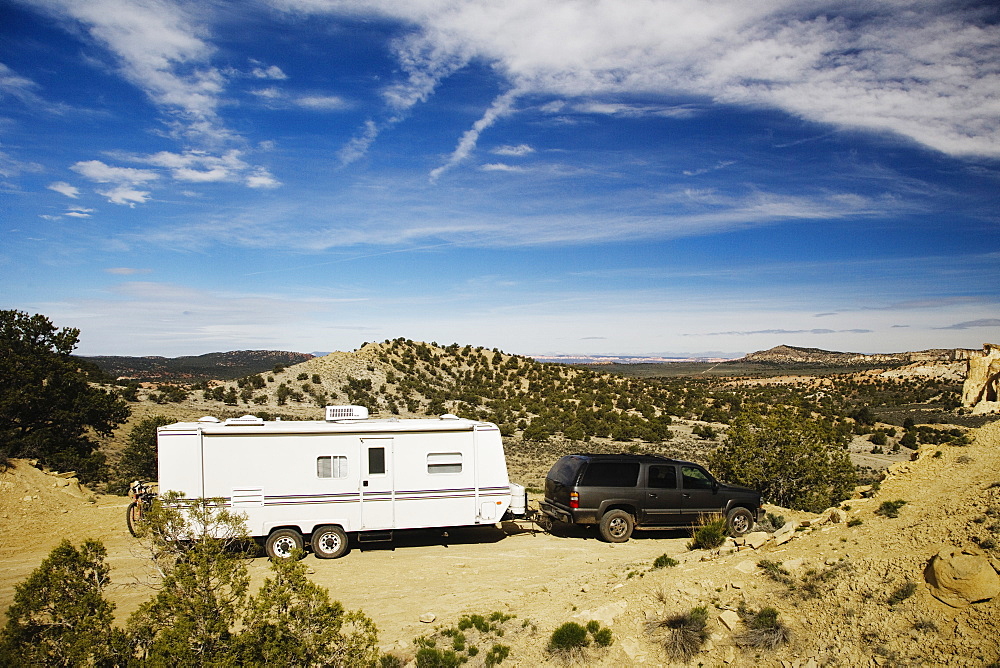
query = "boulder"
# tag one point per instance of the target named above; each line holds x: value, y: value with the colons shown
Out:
x: 756, y: 539
x: 959, y: 577
x: 729, y: 619
x: 835, y: 515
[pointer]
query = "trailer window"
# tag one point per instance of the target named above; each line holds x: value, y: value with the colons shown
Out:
x: 444, y: 462
x: 331, y: 467
x: 376, y: 461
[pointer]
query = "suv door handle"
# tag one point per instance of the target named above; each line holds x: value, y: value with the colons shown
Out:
x: 652, y: 496
x: 686, y: 496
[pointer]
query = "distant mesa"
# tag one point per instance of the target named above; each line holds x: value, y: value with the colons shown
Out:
x: 210, y: 366
x: 816, y: 357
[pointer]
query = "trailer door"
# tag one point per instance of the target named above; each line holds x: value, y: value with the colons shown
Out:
x: 377, y: 496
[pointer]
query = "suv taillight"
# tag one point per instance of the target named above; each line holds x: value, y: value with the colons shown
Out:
x: 574, y: 499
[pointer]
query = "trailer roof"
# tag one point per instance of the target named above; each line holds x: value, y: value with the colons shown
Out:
x: 254, y: 425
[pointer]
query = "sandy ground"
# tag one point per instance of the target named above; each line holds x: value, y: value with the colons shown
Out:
x: 547, y: 579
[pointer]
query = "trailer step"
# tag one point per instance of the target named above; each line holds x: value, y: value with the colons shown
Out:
x: 374, y: 536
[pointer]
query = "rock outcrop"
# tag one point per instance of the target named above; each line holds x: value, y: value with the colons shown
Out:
x: 960, y: 577
x: 982, y: 380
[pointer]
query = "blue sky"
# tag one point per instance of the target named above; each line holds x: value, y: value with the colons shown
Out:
x: 543, y: 176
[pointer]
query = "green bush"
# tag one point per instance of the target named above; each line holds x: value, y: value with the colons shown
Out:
x: 665, y: 561
x: 568, y: 637
x: 890, y: 508
x: 795, y: 460
x: 59, y: 616
x: 709, y: 534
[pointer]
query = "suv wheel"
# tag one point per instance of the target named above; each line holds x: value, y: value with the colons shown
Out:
x: 616, y: 526
x: 739, y: 522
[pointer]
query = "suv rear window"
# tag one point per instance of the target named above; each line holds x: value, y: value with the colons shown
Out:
x: 564, y: 471
x: 611, y: 474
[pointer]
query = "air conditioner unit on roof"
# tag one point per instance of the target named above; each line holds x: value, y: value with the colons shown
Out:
x: 334, y: 413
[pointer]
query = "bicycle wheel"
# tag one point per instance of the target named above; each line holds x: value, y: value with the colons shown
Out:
x: 133, y: 514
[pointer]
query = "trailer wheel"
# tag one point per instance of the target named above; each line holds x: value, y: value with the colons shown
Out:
x: 616, y: 526
x: 281, y: 544
x: 329, y: 542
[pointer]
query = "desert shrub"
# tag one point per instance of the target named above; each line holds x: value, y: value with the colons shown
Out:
x: 709, y: 533
x: 764, y: 631
x: 568, y: 637
x: 795, y: 460
x: 771, y: 523
x: 293, y: 621
x: 776, y: 571
x: 685, y: 633
x: 855, y: 521
x: 59, y: 616
x: 890, y: 508
x: 496, y: 655
x: 665, y: 561
x: 903, y: 592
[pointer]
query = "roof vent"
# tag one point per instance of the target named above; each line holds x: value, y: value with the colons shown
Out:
x: 334, y: 413
x: 245, y: 420
x: 208, y: 418
x: 449, y: 416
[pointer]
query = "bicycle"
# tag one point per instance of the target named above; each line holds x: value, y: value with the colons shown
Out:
x: 142, y: 500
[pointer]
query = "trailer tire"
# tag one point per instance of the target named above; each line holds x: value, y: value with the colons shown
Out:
x: 329, y: 542
x: 616, y: 526
x: 282, y: 543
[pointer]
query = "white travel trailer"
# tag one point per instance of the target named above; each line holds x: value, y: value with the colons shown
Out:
x: 318, y: 482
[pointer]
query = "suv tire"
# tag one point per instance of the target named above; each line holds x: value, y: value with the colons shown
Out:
x: 739, y: 522
x: 616, y: 526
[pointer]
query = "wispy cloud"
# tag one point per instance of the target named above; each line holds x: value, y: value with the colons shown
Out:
x: 921, y: 70
x: 64, y: 188
x: 785, y: 331
x: 513, y: 151
x: 972, y: 324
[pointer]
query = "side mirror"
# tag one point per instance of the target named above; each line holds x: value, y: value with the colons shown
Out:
x: 715, y: 486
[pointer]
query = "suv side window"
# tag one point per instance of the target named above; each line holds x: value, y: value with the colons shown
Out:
x: 662, y: 477
x: 611, y: 474
x: 695, y: 478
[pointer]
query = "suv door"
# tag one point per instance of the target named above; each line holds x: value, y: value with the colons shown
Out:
x: 699, y: 493
x: 663, y: 500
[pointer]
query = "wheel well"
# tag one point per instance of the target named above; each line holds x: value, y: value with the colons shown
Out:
x: 620, y: 506
x: 288, y: 526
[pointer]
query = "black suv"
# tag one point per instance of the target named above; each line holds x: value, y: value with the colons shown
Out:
x: 622, y: 492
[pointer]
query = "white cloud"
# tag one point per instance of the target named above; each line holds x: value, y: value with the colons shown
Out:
x: 261, y: 178
x: 124, y: 194
x: 500, y: 167
x: 159, y: 46
x: 273, y: 72
x: 64, y: 188
x: 270, y: 93
x: 322, y: 102
x: 501, y: 106
x: 516, y: 151
x: 95, y: 170
x: 79, y: 212
x: 916, y: 68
